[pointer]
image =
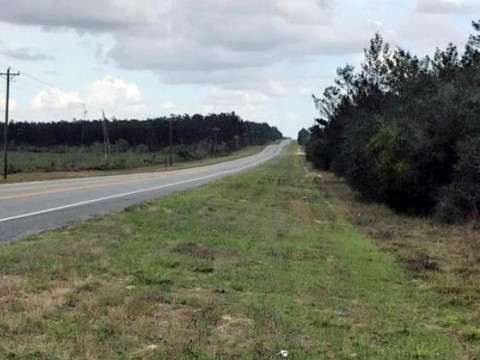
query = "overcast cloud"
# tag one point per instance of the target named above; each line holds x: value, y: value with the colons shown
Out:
x: 87, y: 15
x: 447, y: 6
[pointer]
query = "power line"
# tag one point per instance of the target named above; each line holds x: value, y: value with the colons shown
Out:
x: 37, y: 79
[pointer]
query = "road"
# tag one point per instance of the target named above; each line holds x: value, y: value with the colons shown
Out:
x: 30, y: 208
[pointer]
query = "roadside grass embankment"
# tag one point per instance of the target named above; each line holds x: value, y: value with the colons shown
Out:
x: 238, y: 269
x: 443, y: 258
x: 75, y: 163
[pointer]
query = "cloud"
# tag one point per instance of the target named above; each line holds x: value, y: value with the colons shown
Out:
x: 425, y: 32
x: 115, y: 95
x: 168, y: 105
x: 219, y: 97
x: 445, y: 6
x: 54, y: 98
x: 250, y: 104
x: 375, y: 23
x: 178, y: 38
x: 13, y: 105
x: 108, y: 93
x: 88, y: 15
x: 24, y: 54
x: 212, y: 36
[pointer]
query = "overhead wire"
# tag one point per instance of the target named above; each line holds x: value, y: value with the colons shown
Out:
x: 36, y: 78
x: 35, y: 84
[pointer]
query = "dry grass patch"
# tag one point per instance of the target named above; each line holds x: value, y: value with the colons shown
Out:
x: 16, y: 295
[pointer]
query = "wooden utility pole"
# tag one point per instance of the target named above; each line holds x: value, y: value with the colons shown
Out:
x: 106, y: 139
x: 9, y: 76
x: 170, y: 136
x: 85, y: 112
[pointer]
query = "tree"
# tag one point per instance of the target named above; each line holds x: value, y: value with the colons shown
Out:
x: 303, y: 137
x: 405, y: 130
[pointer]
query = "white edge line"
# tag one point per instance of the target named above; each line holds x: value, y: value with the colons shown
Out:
x: 88, y: 202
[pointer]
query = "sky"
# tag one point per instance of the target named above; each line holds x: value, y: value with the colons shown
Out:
x: 262, y: 59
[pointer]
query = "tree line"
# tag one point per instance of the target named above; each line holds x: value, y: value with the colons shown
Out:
x: 150, y: 134
x: 405, y: 130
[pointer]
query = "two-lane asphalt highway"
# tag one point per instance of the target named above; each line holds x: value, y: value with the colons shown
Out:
x: 29, y: 208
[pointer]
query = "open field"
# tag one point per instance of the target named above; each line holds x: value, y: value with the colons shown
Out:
x: 36, y: 166
x: 238, y: 269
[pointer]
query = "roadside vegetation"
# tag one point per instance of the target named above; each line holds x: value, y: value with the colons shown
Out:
x: 405, y: 130
x: 81, y: 162
x: 444, y: 258
x: 125, y: 144
x: 266, y: 261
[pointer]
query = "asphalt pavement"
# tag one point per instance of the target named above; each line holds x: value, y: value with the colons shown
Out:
x: 30, y: 208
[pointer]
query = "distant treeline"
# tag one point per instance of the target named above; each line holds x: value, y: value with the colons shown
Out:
x: 152, y: 134
x: 405, y: 130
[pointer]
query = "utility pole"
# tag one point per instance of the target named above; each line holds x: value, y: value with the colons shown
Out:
x: 106, y: 139
x: 170, y: 136
x: 5, y: 137
x: 148, y: 139
x: 216, y: 130
x: 85, y: 112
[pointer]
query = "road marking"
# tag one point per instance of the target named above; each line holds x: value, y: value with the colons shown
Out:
x: 46, y: 192
x: 88, y: 202
x: 78, y: 188
x: 15, y: 187
x: 48, y: 184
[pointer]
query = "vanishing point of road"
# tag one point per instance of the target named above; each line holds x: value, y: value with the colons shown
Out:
x: 30, y: 208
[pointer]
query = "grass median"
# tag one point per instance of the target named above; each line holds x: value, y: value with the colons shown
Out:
x: 239, y: 269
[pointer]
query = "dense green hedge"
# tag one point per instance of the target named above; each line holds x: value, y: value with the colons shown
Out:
x: 405, y: 130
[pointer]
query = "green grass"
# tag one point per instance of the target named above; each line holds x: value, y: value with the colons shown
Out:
x: 444, y: 258
x: 238, y: 269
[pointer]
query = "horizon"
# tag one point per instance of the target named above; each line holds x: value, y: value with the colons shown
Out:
x: 262, y: 62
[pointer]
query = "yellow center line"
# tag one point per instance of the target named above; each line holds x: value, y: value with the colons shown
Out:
x: 43, y: 185
x: 78, y: 188
x: 150, y: 176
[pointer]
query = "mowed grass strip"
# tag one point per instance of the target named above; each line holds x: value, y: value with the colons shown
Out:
x: 238, y: 269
